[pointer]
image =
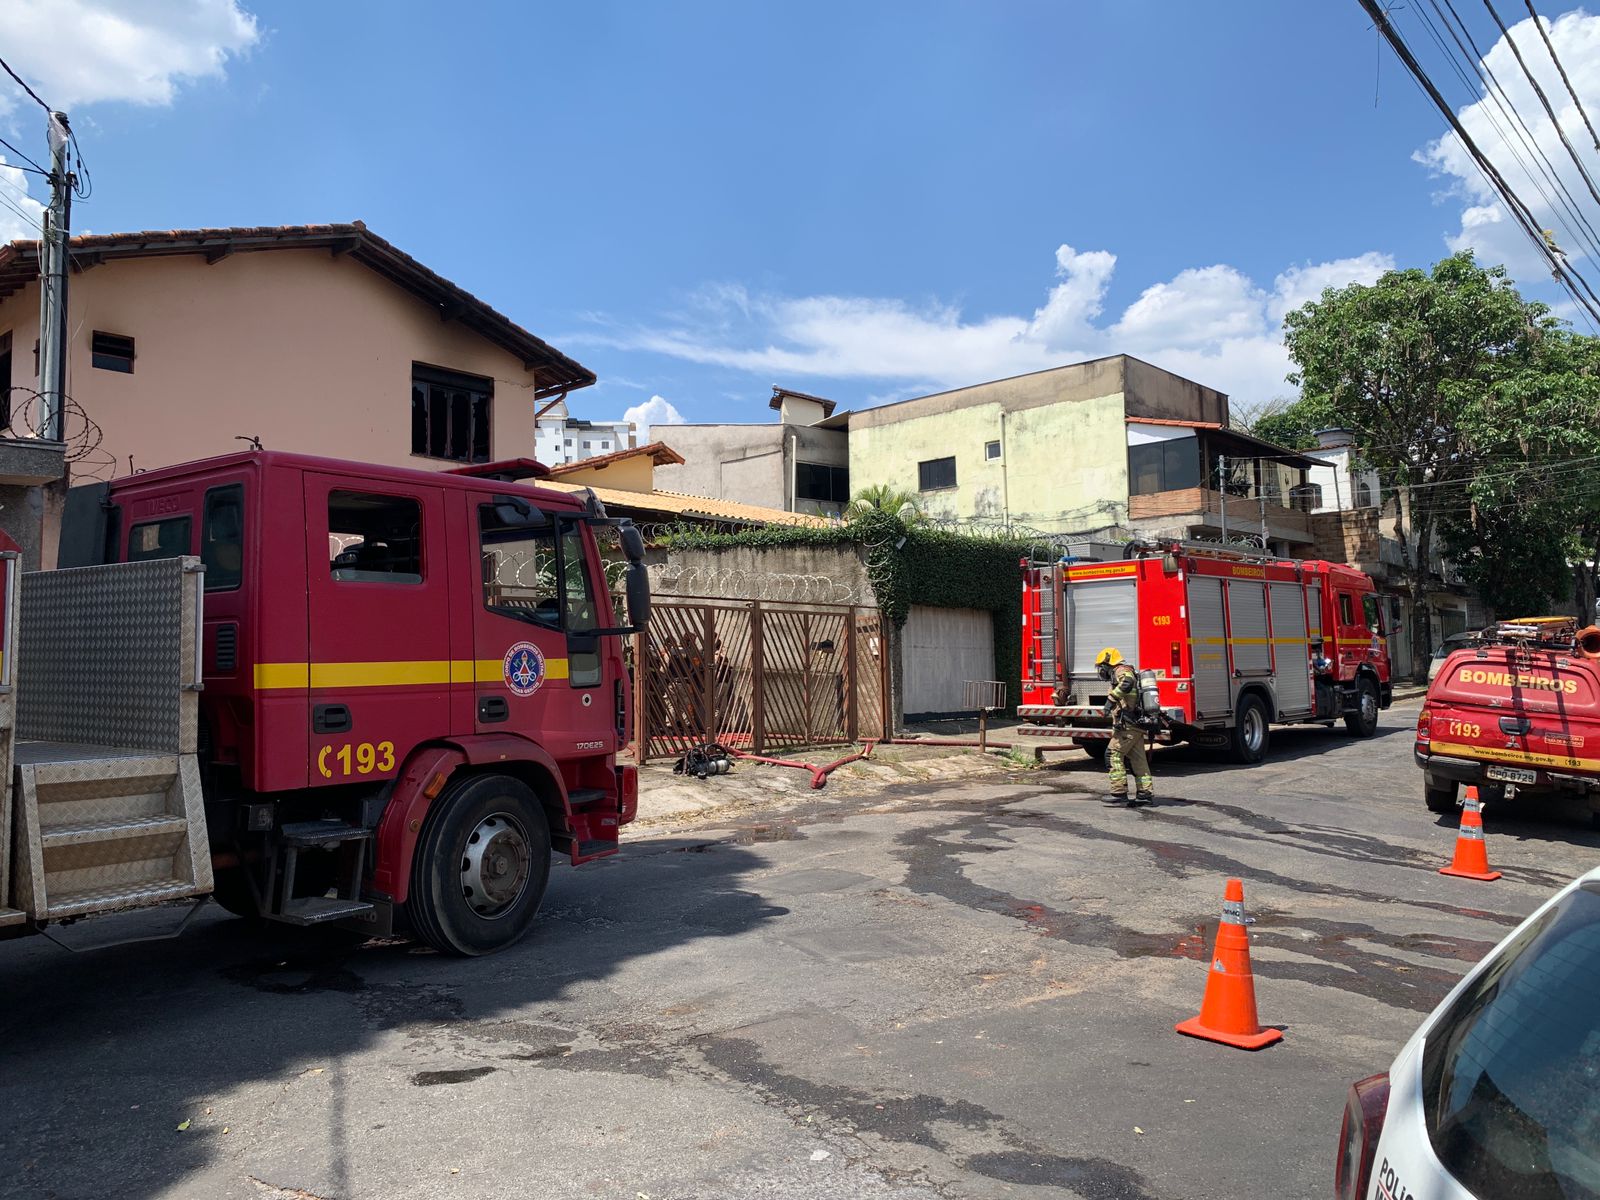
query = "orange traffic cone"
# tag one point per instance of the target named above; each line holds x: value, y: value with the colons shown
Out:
x: 1472, y: 857
x: 1228, y: 1012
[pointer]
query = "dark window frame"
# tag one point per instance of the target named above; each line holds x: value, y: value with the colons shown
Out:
x: 395, y: 578
x: 928, y: 481
x: 219, y: 579
x: 821, y: 483
x: 1174, y: 463
x: 162, y: 548
x: 452, y: 415
x: 5, y: 379
x: 112, y: 352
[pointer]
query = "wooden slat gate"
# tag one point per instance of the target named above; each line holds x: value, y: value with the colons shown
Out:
x: 755, y: 675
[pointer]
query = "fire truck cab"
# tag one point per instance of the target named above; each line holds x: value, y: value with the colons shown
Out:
x: 412, y: 686
x: 1235, y: 643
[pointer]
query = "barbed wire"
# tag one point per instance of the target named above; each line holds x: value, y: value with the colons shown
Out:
x: 80, y: 433
x: 675, y: 579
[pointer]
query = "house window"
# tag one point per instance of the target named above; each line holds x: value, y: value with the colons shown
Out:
x: 1163, y: 466
x: 111, y: 352
x: 374, y: 539
x: 991, y: 451
x: 450, y: 414
x: 936, y: 473
x: 822, y: 483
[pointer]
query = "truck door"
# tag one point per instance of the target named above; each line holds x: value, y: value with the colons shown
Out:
x: 538, y: 672
x: 379, y: 589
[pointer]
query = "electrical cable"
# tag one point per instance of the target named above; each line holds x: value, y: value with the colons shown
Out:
x: 1538, y: 23
x: 32, y: 166
x: 1544, y: 100
x: 22, y: 83
x: 1567, y: 277
x: 1501, y: 99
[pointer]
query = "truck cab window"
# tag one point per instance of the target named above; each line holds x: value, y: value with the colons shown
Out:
x: 1347, y: 610
x: 1370, y: 610
x: 374, y: 538
x: 222, y: 538
x: 579, y: 611
x: 519, y: 569
x: 159, y: 539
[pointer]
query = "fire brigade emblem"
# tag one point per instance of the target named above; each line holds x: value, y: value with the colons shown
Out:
x: 523, y: 666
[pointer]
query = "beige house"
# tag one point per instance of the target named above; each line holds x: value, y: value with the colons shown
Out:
x: 324, y: 339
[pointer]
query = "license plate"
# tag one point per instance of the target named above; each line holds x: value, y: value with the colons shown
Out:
x: 1512, y: 774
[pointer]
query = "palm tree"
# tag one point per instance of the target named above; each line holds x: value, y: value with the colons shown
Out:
x: 880, y: 497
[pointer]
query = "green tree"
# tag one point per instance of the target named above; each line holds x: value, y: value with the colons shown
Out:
x: 881, y: 498
x: 1295, y: 425
x: 1413, y: 365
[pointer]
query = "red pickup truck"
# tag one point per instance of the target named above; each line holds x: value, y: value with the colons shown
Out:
x: 1519, y: 710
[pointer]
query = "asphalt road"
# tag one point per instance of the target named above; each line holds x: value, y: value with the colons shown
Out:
x: 957, y: 990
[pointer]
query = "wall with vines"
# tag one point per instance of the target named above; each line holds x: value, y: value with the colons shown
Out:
x: 910, y: 564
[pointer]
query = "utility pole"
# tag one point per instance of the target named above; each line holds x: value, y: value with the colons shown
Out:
x: 1261, y: 497
x: 1222, y: 491
x: 53, y: 284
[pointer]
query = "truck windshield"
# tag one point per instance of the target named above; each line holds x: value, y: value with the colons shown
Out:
x: 1511, y: 1073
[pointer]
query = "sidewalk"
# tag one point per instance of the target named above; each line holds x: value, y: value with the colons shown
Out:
x: 666, y: 799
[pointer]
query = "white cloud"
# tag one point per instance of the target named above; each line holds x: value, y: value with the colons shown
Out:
x: 20, y: 213
x: 1212, y: 324
x: 657, y: 410
x: 1485, y: 225
x: 77, y: 52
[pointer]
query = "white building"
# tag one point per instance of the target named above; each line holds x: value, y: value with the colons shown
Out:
x: 1340, y: 487
x: 561, y: 438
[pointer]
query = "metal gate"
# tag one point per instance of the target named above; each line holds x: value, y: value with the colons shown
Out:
x: 757, y: 674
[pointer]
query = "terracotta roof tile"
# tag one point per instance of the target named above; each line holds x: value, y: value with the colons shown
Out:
x: 661, y: 455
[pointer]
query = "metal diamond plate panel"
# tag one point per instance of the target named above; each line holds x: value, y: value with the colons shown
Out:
x: 107, y: 655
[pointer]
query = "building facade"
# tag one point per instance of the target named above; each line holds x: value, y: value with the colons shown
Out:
x: 1107, y: 448
x: 323, y: 339
x: 561, y: 438
x: 799, y: 462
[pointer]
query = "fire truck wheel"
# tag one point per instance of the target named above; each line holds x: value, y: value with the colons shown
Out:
x: 231, y: 889
x: 1364, y: 721
x: 481, y: 867
x: 1250, y: 735
x: 1440, y: 799
x: 1095, y: 748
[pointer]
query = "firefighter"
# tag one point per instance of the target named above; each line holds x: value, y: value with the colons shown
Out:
x: 1127, y: 735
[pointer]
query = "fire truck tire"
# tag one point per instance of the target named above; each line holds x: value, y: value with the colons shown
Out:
x: 231, y: 889
x: 481, y: 867
x: 1363, y: 722
x: 1247, y: 741
x: 1095, y: 748
x: 1439, y: 799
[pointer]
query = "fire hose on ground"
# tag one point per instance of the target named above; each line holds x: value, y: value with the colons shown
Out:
x: 819, y: 775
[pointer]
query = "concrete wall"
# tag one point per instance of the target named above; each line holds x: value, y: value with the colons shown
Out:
x: 305, y: 351
x: 731, y: 462
x: 752, y: 464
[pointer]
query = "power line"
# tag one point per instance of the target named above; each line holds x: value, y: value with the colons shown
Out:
x: 1495, y: 91
x: 1538, y: 23
x: 1520, y: 212
x: 1544, y: 100
x: 23, y: 84
x: 32, y: 166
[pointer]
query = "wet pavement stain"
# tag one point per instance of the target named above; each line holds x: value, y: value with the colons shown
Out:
x: 933, y: 865
x: 1091, y: 1178
x: 290, y: 977
x: 911, y: 1119
x: 463, y: 1075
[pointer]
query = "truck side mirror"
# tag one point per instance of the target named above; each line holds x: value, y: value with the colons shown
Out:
x: 637, y: 584
x: 632, y: 542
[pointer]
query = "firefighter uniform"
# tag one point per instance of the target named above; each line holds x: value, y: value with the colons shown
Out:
x: 1127, y: 749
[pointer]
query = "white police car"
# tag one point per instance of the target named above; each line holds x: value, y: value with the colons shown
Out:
x: 1497, y: 1096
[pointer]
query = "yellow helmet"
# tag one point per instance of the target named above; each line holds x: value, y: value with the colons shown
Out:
x: 1109, y: 657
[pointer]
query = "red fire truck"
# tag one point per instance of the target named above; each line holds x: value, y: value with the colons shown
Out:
x: 1235, y: 642
x: 389, y: 695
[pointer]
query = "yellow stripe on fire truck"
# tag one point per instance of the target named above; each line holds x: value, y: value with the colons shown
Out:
x: 1512, y: 756
x: 277, y: 676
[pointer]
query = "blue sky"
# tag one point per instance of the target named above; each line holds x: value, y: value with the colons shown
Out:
x: 700, y: 200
